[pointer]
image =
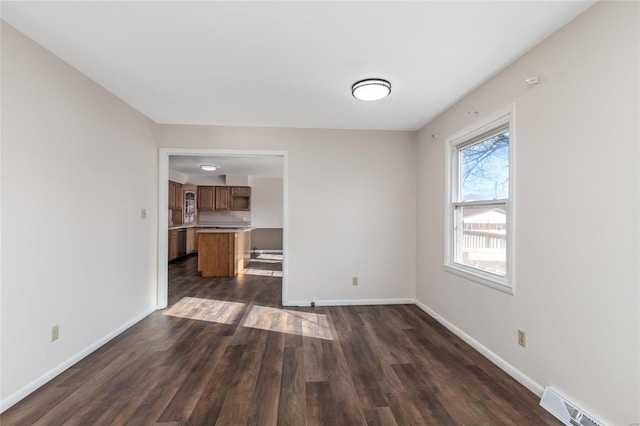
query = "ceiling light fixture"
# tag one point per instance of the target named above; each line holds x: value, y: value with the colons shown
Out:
x: 208, y: 167
x: 371, y: 89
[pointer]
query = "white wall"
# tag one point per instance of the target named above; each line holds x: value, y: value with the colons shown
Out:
x: 232, y: 180
x: 178, y: 176
x: 78, y: 164
x: 352, y: 205
x: 206, y: 180
x: 266, y: 201
x: 577, y: 195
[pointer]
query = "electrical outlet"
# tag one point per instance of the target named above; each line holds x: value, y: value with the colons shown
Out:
x: 55, y: 332
x: 354, y: 281
x: 143, y: 213
x: 522, y: 338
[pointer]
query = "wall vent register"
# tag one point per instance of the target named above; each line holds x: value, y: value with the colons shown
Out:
x: 567, y: 412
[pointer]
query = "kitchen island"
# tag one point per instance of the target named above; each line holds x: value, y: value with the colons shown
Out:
x: 223, y: 252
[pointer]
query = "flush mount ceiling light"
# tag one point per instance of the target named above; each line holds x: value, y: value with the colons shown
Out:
x: 371, y: 89
x: 208, y: 167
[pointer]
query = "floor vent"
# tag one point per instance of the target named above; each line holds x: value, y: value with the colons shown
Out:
x: 565, y: 411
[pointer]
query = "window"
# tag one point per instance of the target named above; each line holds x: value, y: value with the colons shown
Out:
x: 479, y: 239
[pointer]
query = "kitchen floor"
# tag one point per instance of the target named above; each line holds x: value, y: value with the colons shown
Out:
x: 226, y: 352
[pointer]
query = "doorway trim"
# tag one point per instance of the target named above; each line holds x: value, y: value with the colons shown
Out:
x: 163, y: 206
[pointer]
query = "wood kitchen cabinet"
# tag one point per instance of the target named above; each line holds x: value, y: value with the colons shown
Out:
x: 222, y: 198
x: 223, y: 254
x: 173, y: 244
x: 241, y: 198
x: 189, y: 207
x: 172, y: 195
x: 195, y: 240
x: 191, y: 240
x: 175, y: 195
x: 206, y: 198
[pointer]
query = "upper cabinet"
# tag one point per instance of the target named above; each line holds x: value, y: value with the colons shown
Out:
x: 175, y: 196
x: 240, y: 198
x: 224, y: 198
x: 172, y: 195
x: 189, y: 206
x: 206, y: 197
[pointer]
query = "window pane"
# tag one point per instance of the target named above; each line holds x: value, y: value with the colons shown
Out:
x: 481, y: 237
x: 484, y: 168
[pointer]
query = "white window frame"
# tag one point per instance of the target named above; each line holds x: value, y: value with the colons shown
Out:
x: 454, y: 143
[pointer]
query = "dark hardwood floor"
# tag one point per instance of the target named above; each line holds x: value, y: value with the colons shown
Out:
x: 225, y: 352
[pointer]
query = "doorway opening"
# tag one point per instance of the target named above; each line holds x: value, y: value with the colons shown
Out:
x: 235, y: 166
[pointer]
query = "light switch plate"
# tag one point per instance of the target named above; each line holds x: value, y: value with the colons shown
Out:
x: 522, y: 338
x: 55, y: 333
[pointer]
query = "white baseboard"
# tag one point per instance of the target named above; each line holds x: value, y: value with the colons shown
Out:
x: 518, y: 375
x: 349, y: 302
x: 31, y: 387
x: 267, y: 251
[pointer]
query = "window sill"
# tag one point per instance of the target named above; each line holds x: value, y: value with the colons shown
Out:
x: 496, y: 283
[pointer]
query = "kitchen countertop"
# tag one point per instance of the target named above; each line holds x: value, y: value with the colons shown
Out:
x: 207, y: 225
x: 224, y: 230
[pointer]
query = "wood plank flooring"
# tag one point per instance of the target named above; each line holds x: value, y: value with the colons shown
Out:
x: 226, y: 353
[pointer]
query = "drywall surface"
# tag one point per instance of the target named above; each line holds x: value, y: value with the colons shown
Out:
x: 206, y: 180
x: 266, y: 201
x: 232, y: 180
x: 266, y: 239
x: 351, y: 205
x: 577, y: 208
x: 176, y: 176
x: 78, y: 165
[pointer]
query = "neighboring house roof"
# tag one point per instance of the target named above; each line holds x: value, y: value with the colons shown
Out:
x: 485, y: 216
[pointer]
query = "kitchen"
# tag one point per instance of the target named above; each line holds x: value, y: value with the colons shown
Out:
x: 224, y: 209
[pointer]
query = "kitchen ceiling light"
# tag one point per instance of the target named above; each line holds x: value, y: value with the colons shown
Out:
x: 208, y: 167
x: 371, y: 89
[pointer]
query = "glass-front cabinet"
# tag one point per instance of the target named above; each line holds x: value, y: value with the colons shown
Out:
x: 189, y: 207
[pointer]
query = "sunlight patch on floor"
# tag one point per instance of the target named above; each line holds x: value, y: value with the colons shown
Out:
x: 264, y: 260
x: 261, y: 272
x: 305, y: 324
x: 206, y: 310
x: 265, y: 256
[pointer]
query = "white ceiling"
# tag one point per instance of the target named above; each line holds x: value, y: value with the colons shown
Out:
x: 289, y: 64
x: 235, y: 165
